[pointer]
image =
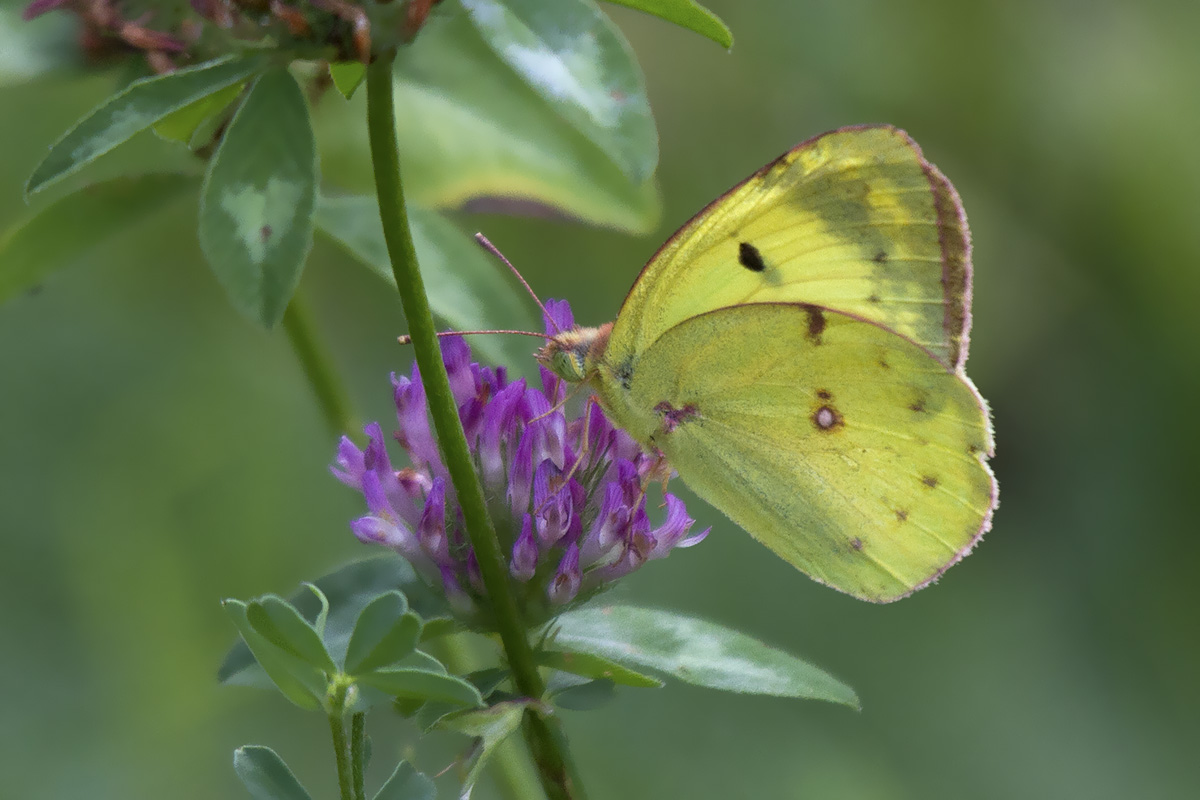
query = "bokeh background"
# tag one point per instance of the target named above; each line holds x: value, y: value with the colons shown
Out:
x: 159, y: 452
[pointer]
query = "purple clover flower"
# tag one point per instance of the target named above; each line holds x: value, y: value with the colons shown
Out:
x: 572, y: 518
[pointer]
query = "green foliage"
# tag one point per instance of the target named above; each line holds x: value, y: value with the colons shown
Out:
x: 593, y: 666
x: 580, y: 694
x: 259, y: 196
x: 385, y: 632
x: 347, y: 76
x: 423, y: 684
x: 298, y: 680
x: 489, y: 727
x: 576, y: 60
x: 349, y: 591
x: 135, y: 108
x: 468, y: 289
x: 181, y: 126
x: 687, y: 14
x: 695, y: 651
x: 405, y: 783
x: 280, y: 623
x: 265, y: 776
x: 475, y: 134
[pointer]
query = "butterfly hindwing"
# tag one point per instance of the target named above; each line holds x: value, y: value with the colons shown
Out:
x: 847, y: 449
x: 854, y: 220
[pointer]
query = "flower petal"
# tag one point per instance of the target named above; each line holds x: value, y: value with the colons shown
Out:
x: 567, y: 579
x: 348, y: 466
x: 431, y: 532
x: 525, y: 552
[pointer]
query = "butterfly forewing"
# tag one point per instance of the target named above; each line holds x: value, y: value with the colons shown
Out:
x: 848, y: 450
x: 855, y: 220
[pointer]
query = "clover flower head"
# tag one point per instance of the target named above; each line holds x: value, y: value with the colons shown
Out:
x: 566, y: 494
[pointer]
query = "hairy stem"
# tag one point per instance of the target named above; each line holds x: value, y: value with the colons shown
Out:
x: 381, y: 127
x: 341, y: 748
x: 358, y: 740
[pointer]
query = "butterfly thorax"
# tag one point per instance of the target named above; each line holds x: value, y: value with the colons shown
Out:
x: 573, y: 355
x: 582, y: 355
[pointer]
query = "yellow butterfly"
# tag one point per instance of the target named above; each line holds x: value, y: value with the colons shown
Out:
x: 796, y: 353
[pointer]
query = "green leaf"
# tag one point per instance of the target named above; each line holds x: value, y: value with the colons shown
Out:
x: 406, y: 784
x: 695, y: 651
x: 475, y: 135
x: 279, y: 623
x: 265, y: 775
x: 593, y: 666
x: 685, y: 14
x: 347, y: 76
x: 322, y: 615
x: 62, y: 232
x: 419, y: 659
x: 349, y: 590
x: 385, y: 633
x: 134, y: 109
x: 467, y: 287
x: 439, y: 626
x: 585, y: 696
x: 181, y: 125
x: 426, y: 684
x: 487, y: 680
x: 489, y: 726
x: 259, y: 196
x: 299, y: 681
x: 578, y: 61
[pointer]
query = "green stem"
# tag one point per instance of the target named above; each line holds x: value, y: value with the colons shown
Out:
x: 385, y: 158
x: 513, y: 771
x: 358, y: 740
x: 318, y: 367
x: 341, y: 748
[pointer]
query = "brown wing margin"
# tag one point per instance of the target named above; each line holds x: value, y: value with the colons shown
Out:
x: 954, y: 237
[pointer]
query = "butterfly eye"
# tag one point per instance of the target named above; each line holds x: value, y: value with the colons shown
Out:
x: 567, y: 364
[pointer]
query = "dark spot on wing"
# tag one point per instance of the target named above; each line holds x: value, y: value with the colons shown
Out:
x: 880, y: 257
x: 856, y: 543
x: 930, y: 481
x: 624, y: 373
x: 873, y: 298
x: 265, y: 233
x: 816, y: 322
x: 901, y: 515
x: 750, y: 258
x: 824, y: 394
x: 884, y: 364
x: 917, y: 405
x: 827, y: 418
x: 972, y: 449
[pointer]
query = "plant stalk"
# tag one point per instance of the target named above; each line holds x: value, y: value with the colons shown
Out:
x: 341, y: 747
x: 385, y: 156
x: 319, y: 368
x: 358, y: 740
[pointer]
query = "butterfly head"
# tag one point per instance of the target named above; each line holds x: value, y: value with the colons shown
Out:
x: 571, y: 354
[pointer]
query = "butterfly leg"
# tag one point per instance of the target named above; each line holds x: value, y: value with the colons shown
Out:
x: 660, y: 470
x: 584, y: 444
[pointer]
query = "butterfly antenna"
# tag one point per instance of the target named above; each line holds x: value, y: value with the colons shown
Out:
x: 406, y: 339
x: 486, y: 244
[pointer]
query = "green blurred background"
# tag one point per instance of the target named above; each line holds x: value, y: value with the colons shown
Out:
x: 159, y: 452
